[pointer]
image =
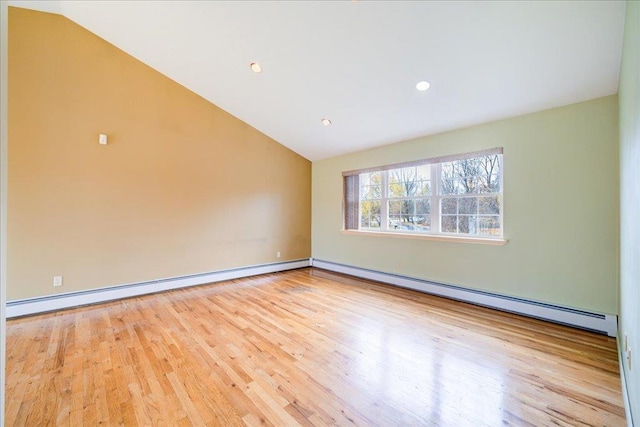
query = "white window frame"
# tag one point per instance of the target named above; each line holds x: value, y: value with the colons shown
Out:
x: 437, y: 214
x: 435, y: 198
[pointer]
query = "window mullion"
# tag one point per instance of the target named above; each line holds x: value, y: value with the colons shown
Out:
x: 384, y: 205
x: 435, y: 200
x: 501, y: 193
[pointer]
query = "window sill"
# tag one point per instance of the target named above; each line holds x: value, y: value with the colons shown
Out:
x: 439, y: 238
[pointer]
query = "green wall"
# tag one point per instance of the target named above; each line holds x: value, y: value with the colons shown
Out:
x: 629, y: 97
x: 560, y: 210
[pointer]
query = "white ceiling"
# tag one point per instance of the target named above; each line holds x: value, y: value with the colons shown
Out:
x: 357, y: 62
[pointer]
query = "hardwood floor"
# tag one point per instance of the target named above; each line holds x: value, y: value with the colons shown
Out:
x: 305, y: 347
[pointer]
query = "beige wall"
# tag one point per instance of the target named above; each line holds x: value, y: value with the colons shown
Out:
x: 560, y: 210
x: 181, y: 188
x: 3, y: 194
x: 629, y: 93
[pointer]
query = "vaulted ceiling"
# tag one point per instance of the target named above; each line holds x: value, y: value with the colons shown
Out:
x: 357, y: 62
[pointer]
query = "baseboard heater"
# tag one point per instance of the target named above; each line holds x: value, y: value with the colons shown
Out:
x: 602, y: 323
x: 47, y: 303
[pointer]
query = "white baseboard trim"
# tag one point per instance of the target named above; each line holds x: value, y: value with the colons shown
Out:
x: 623, y: 380
x: 603, y: 323
x: 47, y: 303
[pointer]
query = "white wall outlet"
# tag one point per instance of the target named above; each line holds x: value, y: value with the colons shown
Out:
x: 629, y: 359
x: 278, y: 254
x: 57, y: 280
x: 102, y: 139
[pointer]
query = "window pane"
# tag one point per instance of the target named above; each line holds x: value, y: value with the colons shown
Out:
x: 424, y: 222
x: 460, y: 168
x: 370, y: 214
x: 408, y: 207
x: 419, y: 223
x: 463, y: 224
x: 394, y: 222
x: 370, y: 185
x: 468, y: 205
x: 489, y: 225
x: 489, y: 173
x: 471, y: 176
x: 449, y: 170
x: 449, y: 206
x: 369, y: 192
x: 449, y: 224
x: 395, y: 207
x: 489, y: 184
x: 489, y: 205
x: 401, y: 181
x: 396, y: 189
x: 423, y: 207
x: 424, y: 183
x: 371, y: 207
x: 398, y: 222
x: 371, y: 178
x: 468, y: 185
x: 467, y: 224
x: 423, y: 188
x: 424, y: 172
x: 398, y: 207
x: 450, y: 186
x: 409, y: 181
x: 410, y: 215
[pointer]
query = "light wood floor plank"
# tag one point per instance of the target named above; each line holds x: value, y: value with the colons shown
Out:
x: 305, y: 347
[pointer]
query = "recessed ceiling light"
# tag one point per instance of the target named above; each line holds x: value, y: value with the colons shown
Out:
x: 325, y: 122
x: 423, y: 85
x: 255, y: 67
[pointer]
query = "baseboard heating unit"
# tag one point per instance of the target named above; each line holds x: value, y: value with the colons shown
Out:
x: 47, y: 303
x: 597, y: 322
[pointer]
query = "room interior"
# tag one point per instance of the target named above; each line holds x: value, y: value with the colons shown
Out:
x: 212, y: 172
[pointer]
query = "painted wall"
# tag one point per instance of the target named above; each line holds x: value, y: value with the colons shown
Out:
x: 629, y: 97
x: 560, y: 210
x: 182, y: 187
x: 4, y: 31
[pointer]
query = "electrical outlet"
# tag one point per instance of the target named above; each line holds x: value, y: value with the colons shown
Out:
x: 629, y: 359
x: 278, y: 254
x: 57, y: 280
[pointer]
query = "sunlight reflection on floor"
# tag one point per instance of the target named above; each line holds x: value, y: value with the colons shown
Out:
x: 444, y: 388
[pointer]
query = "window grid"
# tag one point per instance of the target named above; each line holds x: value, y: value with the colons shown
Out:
x: 478, y: 211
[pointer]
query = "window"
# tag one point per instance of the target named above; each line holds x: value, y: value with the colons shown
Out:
x: 454, y: 195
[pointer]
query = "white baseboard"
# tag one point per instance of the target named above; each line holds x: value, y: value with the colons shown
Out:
x: 623, y: 380
x: 606, y: 323
x: 47, y: 303
x: 603, y: 323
